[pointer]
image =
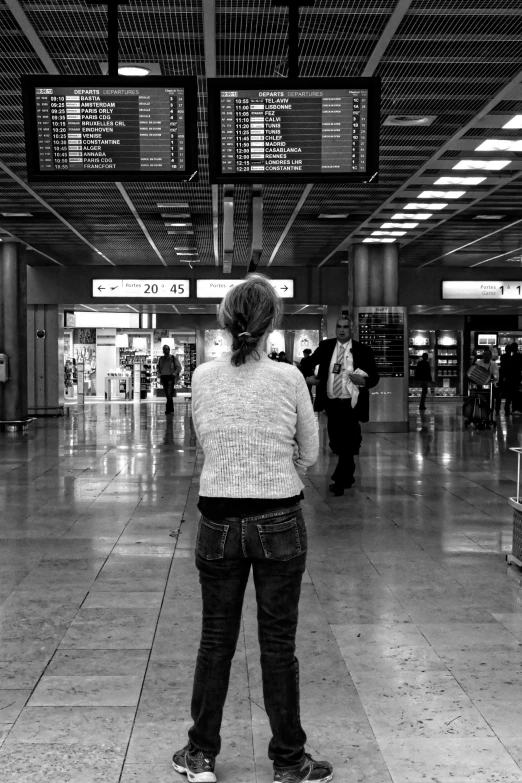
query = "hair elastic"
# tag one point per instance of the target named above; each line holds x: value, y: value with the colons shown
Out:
x: 243, y: 333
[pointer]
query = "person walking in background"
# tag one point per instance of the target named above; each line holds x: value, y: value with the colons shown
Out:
x: 169, y: 370
x: 501, y: 391
x: 250, y: 494
x: 423, y: 376
x: 307, y: 368
x: 512, y: 375
x: 347, y: 371
x: 281, y: 357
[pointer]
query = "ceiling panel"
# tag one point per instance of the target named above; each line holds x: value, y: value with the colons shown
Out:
x: 445, y: 58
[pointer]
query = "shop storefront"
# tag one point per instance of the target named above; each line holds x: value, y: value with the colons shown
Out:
x: 444, y: 349
x: 117, y: 360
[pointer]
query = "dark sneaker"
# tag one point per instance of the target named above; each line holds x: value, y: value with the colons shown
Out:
x: 310, y: 770
x: 196, y: 765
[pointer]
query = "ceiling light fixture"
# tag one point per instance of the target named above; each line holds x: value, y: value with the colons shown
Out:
x: 332, y: 217
x: 442, y: 194
x: 189, y: 260
x: 186, y: 254
x: 488, y: 217
x: 183, y: 248
x: 173, y: 205
x: 16, y: 214
x: 415, y: 216
x: 384, y: 239
x: 133, y: 70
x: 431, y: 205
x: 179, y: 215
x: 514, y: 122
x: 399, y: 225
x: 485, y: 165
x: 178, y: 225
x: 179, y: 231
x: 499, y: 145
x: 460, y: 180
x: 388, y: 233
x: 409, y: 120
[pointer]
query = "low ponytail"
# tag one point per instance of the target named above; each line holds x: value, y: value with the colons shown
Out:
x: 248, y: 311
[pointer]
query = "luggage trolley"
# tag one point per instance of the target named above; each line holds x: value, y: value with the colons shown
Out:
x: 479, y: 407
x: 516, y: 503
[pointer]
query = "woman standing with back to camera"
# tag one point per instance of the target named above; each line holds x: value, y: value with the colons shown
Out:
x: 254, y: 420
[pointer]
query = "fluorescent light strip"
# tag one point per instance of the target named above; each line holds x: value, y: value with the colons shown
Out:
x: 499, y: 145
x: 514, y: 122
x: 399, y: 225
x: 459, y: 180
x: 390, y: 233
x: 431, y: 205
x: 415, y: 216
x: 442, y: 194
x: 386, y: 239
x: 484, y: 165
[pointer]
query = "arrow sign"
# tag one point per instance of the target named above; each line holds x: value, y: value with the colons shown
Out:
x: 284, y: 288
x: 100, y: 288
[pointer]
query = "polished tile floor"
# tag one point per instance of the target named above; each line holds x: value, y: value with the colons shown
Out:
x: 410, y: 636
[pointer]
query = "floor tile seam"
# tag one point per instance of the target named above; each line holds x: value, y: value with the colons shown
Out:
x: 147, y: 665
x: 250, y: 701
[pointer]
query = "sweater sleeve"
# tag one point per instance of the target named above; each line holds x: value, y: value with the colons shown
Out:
x: 306, y: 435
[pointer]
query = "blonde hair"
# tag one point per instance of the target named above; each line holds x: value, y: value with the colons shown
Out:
x: 248, y: 311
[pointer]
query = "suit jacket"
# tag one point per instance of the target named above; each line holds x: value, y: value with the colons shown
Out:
x: 363, y: 359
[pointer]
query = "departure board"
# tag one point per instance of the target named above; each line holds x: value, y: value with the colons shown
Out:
x: 284, y: 131
x: 109, y: 128
x: 382, y: 329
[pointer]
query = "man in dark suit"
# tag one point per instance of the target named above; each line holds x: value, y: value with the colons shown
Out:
x: 347, y: 370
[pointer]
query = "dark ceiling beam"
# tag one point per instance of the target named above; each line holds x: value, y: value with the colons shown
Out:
x: 370, y: 67
x: 209, y: 39
x: 434, y: 162
x: 31, y: 35
x: 139, y: 221
x: 38, y: 198
x: 389, y: 31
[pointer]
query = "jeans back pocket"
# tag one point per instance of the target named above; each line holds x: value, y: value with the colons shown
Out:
x: 283, y: 540
x: 210, y: 543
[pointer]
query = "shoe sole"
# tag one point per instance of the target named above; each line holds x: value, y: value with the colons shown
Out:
x: 322, y: 780
x: 202, y: 777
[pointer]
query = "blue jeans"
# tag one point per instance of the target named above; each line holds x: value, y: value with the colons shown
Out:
x: 275, y: 545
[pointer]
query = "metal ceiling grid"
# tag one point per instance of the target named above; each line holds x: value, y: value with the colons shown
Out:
x: 75, y: 34
x: 445, y: 58
x: 450, y: 42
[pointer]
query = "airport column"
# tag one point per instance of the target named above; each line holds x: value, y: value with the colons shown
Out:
x: 382, y: 323
x: 45, y: 366
x: 13, y: 334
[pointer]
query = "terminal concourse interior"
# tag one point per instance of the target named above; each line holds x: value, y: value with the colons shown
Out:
x: 410, y: 634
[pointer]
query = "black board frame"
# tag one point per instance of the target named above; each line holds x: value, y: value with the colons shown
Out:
x: 214, y: 86
x: 35, y: 174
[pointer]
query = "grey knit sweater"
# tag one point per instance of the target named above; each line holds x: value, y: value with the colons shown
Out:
x: 256, y: 425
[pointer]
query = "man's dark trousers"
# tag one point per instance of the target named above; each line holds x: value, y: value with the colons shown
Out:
x: 344, y: 432
x: 167, y: 381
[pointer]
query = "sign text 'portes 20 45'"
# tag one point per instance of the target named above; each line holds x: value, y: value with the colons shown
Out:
x: 143, y: 289
x: 482, y: 289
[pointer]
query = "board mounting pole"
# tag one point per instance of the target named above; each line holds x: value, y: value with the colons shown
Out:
x: 293, y: 32
x: 112, y: 32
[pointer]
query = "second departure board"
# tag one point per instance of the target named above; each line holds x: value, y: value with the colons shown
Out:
x: 101, y: 128
x: 293, y: 130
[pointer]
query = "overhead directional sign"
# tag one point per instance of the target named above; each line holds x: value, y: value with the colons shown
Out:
x: 142, y: 289
x: 216, y: 289
x: 482, y: 289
